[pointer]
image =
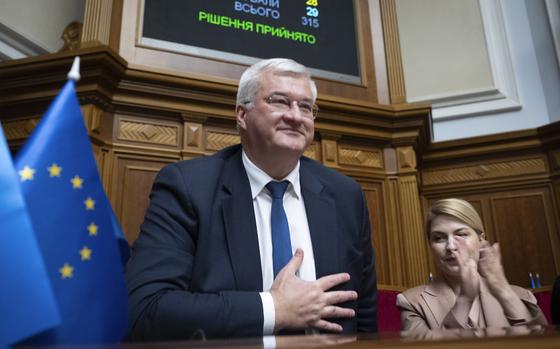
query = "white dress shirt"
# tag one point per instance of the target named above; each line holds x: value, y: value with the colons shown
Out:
x: 299, y: 231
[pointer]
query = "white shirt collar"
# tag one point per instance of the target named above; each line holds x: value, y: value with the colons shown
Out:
x: 258, y: 179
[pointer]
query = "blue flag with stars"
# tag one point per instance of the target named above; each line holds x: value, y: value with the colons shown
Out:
x: 25, y: 286
x: 74, y: 226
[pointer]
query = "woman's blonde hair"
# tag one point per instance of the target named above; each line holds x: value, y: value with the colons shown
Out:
x: 458, y: 209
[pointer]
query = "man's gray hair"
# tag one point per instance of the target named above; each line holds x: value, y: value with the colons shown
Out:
x: 250, y: 82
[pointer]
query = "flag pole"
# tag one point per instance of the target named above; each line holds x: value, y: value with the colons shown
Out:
x: 74, y: 73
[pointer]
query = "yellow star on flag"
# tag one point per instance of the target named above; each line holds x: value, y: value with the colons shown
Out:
x: 26, y: 174
x: 66, y: 271
x: 54, y: 170
x: 77, y: 182
x: 92, y: 229
x: 85, y: 253
x: 90, y: 204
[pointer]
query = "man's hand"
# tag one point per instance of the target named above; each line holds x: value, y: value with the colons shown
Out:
x: 302, y: 304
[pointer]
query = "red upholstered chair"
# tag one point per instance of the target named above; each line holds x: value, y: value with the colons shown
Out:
x: 388, y: 315
x: 543, y: 296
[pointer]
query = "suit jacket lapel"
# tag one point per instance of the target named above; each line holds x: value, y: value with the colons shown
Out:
x: 440, y: 299
x: 240, y: 226
x: 321, y: 216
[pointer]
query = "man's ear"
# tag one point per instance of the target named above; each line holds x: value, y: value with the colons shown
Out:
x: 240, y: 114
x: 482, y: 237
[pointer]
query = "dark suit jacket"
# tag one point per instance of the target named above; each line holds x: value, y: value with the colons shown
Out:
x: 196, y: 263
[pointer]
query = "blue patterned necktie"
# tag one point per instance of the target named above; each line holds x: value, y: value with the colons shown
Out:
x: 281, y: 245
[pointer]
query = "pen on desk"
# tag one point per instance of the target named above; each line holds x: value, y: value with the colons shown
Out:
x: 538, y: 280
x: 531, y: 280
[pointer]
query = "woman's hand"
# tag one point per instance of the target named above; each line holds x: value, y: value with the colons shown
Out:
x: 469, y: 277
x: 490, y: 266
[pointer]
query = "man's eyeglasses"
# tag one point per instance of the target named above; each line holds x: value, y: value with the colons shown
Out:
x: 283, y: 104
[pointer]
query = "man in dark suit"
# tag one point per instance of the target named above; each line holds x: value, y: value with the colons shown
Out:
x: 221, y: 254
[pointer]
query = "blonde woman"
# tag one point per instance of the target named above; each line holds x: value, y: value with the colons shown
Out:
x: 471, y: 290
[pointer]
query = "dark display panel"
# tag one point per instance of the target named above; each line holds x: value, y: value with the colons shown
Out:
x: 320, y: 34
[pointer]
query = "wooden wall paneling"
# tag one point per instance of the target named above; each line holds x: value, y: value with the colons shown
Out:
x: 484, y: 209
x: 100, y: 155
x: 556, y: 186
x: 349, y: 155
x: 134, y: 175
x: 525, y: 227
x: 141, y: 146
x: 504, y: 172
x: 17, y: 131
x: 373, y: 192
x: 554, y: 160
x: 313, y: 151
x: 219, y: 138
x: 138, y: 130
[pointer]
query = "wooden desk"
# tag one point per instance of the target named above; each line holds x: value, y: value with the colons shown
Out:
x: 545, y: 338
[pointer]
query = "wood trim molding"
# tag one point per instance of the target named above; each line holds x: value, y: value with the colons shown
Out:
x: 39, y: 79
x: 478, y: 172
x: 20, y: 129
x: 97, y: 22
x: 148, y: 132
x: 395, y: 71
x: 413, y: 237
x: 395, y: 247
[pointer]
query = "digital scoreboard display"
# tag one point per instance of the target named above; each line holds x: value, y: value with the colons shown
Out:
x: 321, y: 34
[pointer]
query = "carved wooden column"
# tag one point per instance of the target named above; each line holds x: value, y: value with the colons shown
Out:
x: 397, y: 275
x: 102, y: 23
x: 193, y: 142
x: 329, y: 149
x: 395, y: 73
x: 407, y: 243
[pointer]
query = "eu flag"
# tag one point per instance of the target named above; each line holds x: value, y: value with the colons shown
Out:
x: 74, y: 226
x: 27, y: 304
